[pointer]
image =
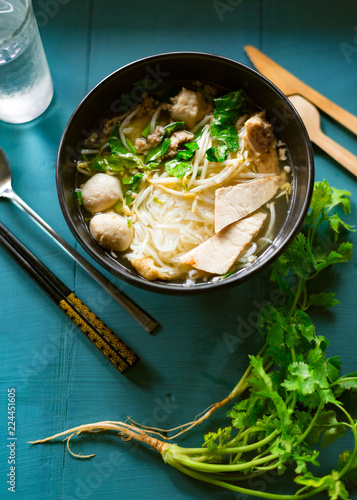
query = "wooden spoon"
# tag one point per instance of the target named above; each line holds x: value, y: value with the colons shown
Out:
x: 311, y: 118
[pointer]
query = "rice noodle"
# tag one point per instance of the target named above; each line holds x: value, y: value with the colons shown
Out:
x: 254, y: 175
x: 89, y: 151
x: 184, y: 219
x: 200, y: 155
x: 263, y: 240
x: 200, y: 124
x: 84, y: 171
x: 103, y: 146
x: 124, y: 124
x: 271, y: 207
x: 153, y: 119
x: 167, y: 230
x: 111, y: 123
x: 251, y: 250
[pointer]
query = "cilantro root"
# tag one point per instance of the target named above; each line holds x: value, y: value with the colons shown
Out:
x: 290, y: 393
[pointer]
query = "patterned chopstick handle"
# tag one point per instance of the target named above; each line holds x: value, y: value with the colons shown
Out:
x: 99, y: 334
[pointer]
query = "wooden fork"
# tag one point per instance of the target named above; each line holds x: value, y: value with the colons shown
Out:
x: 311, y: 118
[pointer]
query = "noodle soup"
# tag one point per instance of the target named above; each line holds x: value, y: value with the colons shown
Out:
x: 185, y: 185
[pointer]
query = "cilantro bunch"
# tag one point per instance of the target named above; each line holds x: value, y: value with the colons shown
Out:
x: 290, y: 395
x: 292, y: 390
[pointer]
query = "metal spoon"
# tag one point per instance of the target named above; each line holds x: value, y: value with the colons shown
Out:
x: 311, y: 118
x: 6, y: 191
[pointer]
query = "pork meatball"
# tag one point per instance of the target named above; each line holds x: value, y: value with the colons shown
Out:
x: 101, y: 192
x: 111, y: 231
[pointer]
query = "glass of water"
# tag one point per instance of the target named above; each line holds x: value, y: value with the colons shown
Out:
x: 26, y: 86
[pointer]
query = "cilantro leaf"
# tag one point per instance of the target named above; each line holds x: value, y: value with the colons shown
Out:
x: 340, y: 197
x: 263, y: 385
x: 299, y: 256
x: 215, y: 440
x: 335, y: 488
x: 338, y: 490
x: 300, y: 379
x: 248, y: 412
x: 336, y: 222
x: 308, y: 479
x: 342, y: 254
x: 333, y: 366
x: 275, y: 336
x: 325, y: 300
x: 238, y: 418
x: 345, y: 383
x: 324, y: 199
x: 329, y: 427
x: 303, y: 458
x: 308, y: 377
x: 320, y: 202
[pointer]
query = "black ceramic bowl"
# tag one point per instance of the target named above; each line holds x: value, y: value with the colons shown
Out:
x: 102, y: 101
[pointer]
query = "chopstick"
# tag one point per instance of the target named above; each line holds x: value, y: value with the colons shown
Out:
x: 113, y: 348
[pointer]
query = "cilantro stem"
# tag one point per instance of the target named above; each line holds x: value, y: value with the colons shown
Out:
x: 236, y: 478
x: 313, y: 276
x: 314, y: 227
x: 204, y: 467
x: 207, y: 478
x: 269, y: 467
x: 304, y: 301
x: 313, y: 233
x: 245, y: 434
x: 265, y: 452
x: 342, y: 380
x: 354, y: 452
x: 293, y: 354
x: 230, y: 451
x: 299, y: 290
x: 236, y: 459
x: 242, y: 385
x: 303, y: 489
x: 312, y: 423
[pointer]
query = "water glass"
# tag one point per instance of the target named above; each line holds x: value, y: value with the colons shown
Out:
x: 26, y: 86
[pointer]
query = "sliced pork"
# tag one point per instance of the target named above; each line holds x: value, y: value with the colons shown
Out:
x: 217, y: 254
x: 235, y: 202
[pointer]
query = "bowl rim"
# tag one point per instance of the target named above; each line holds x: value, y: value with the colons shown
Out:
x: 178, y: 288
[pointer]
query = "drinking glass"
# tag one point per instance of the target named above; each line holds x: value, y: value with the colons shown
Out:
x: 26, y: 86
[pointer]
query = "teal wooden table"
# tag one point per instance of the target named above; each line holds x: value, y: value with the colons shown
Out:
x: 61, y: 380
